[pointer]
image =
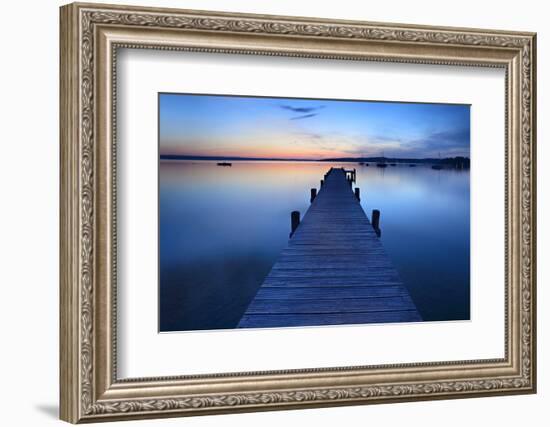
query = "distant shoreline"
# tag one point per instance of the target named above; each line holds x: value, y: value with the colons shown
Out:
x: 340, y: 159
x: 225, y: 158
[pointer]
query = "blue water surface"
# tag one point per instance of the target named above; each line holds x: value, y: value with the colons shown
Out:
x: 222, y: 228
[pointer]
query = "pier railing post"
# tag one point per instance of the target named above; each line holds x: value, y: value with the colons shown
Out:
x: 313, y: 194
x: 294, y: 221
x: 376, y: 221
x: 357, y: 193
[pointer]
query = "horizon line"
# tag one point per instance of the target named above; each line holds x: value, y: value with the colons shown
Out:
x: 362, y: 158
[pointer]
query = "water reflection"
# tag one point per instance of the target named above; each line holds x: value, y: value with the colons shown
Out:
x: 222, y: 228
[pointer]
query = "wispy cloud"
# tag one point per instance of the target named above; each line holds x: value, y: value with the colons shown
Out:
x: 452, y: 142
x: 305, y: 112
x: 449, y: 138
x: 448, y: 143
x: 306, y: 116
x: 302, y: 110
x: 308, y: 135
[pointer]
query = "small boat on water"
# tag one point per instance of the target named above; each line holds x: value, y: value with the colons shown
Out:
x: 224, y: 164
x: 438, y: 166
x: 383, y: 163
x: 362, y: 163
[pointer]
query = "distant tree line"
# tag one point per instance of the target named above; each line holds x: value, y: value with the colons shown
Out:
x: 458, y: 162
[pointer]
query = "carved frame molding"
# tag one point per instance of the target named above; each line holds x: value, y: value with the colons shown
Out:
x: 90, y: 37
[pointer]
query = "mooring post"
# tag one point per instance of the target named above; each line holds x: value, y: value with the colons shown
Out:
x: 357, y: 191
x: 294, y: 221
x: 313, y: 194
x: 354, y: 175
x: 376, y: 221
x: 322, y: 182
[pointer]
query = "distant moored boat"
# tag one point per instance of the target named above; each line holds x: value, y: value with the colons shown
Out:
x: 383, y: 163
x: 224, y: 164
x: 438, y: 166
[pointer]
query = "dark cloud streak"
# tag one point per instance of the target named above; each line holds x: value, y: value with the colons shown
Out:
x: 451, y: 141
x: 306, y: 116
x: 447, y: 143
x: 306, y: 112
x: 303, y: 110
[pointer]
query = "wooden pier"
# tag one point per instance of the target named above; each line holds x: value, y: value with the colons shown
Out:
x: 334, y: 269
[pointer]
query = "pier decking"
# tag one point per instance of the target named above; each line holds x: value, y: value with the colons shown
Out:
x: 333, y: 271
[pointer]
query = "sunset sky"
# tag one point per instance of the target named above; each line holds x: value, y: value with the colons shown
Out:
x: 209, y: 125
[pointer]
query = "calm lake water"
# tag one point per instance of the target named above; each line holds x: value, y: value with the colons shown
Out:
x: 222, y: 229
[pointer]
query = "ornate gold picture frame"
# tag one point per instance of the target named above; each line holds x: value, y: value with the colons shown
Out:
x: 90, y: 36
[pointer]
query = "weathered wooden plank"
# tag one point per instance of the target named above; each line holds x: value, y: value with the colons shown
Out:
x: 308, y: 292
x: 328, y: 264
x: 333, y: 271
x: 327, y: 281
x: 334, y: 305
x: 278, y: 320
x: 341, y: 273
x: 320, y: 250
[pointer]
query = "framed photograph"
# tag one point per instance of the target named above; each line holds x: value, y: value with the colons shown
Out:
x: 266, y: 212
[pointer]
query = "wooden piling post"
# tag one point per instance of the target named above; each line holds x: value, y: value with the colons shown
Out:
x: 294, y: 221
x: 313, y: 194
x: 376, y: 221
x: 357, y: 193
x: 375, y: 218
x: 322, y: 182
